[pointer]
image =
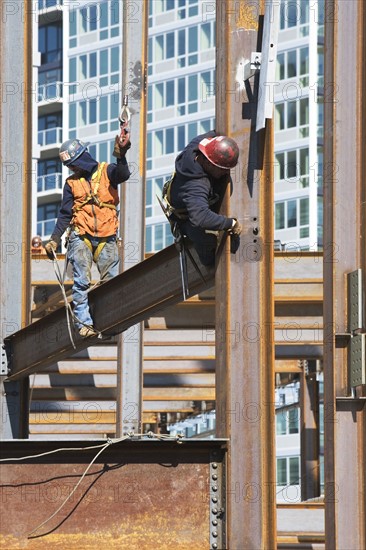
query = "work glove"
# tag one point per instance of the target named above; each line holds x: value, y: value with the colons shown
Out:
x: 50, y: 249
x: 120, y: 150
x: 236, y: 228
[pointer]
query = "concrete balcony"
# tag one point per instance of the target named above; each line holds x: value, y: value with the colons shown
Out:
x: 50, y: 138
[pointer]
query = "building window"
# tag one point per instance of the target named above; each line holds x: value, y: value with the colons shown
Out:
x: 293, y: 213
x: 46, y: 218
x: 295, y: 14
x: 288, y: 471
x: 97, y: 16
x: 293, y: 63
x: 288, y: 421
x: 50, y: 43
x: 292, y: 166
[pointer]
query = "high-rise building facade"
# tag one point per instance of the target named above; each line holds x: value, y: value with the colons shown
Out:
x: 79, y: 95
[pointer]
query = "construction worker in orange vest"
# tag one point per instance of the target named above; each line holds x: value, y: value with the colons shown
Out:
x: 89, y: 212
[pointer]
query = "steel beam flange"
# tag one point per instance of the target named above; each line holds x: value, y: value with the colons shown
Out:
x: 217, y: 495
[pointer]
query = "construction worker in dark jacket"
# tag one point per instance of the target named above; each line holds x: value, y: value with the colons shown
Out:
x: 202, y: 172
x: 89, y: 212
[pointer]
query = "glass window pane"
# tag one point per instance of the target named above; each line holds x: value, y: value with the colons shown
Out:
x: 114, y: 11
x: 103, y: 62
x: 280, y: 423
x: 205, y: 36
x: 304, y: 111
x: 192, y: 39
x: 294, y: 470
x: 182, y: 42
x: 280, y: 166
x: 181, y: 90
x: 291, y: 114
x: 72, y: 115
x: 279, y: 116
x: 181, y: 138
x: 279, y: 215
x: 281, y: 471
x: 115, y: 59
x: 293, y: 14
x: 103, y: 108
x: 304, y: 61
x: 280, y: 66
x: 304, y: 211
x: 293, y: 420
x: 159, y: 48
x: 93, y: 17
x: 170, y: 45
x: 169, y: 93
x: 304, y: 162
x: 192, y: 88
x: 92, y: 111
x: 114, y: 106
x: 72, y: 69
x: 103, y: 15
x: 291, y: 164
x: 83, y: 67
x: 92, y: 65
x: 158, y: 143
x: 291, y: 64
x: 158, y: 96
x: 169, y: 140
x: 291, y: 214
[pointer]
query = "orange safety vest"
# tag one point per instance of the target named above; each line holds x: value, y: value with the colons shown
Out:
x: 95, y: 204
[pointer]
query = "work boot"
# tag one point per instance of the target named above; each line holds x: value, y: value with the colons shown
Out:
x: 87, y: 331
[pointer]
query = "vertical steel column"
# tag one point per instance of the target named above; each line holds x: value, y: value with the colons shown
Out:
x: 15, y: 193
x: 244, y: 287
x: 130, y: 343
x: 344, y: 252
x: 309, y: 418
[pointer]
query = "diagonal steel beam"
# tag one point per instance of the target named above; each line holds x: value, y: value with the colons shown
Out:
x: 116, y: 305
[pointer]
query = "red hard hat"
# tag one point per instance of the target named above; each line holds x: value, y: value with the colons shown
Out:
x: 221, y: 151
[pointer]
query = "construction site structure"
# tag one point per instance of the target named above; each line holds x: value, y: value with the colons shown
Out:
x: 121, y: 491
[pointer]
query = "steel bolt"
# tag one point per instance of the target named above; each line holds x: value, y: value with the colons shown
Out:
x: 214, y: 488
x: 214, y: 499
x: 215, y: 534
x: 215, y: 522
x: 214, y: 511
x: 214, y: 465
x: 214, y: 546
x: 214, y: 477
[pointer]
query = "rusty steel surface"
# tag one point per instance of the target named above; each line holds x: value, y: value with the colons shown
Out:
x: 244, y: 292
x: 344, y: 242
x: 116, y: 305
x: 137, y: 495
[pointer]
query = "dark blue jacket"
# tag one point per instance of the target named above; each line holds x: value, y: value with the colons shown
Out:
x: 192, y: 189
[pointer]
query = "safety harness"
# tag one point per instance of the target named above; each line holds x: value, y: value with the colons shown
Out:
x: 180, y: 213
x: 92, y: 198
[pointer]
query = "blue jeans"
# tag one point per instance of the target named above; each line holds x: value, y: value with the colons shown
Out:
x: 81, y: 259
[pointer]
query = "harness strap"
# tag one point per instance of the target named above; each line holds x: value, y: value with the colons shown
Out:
x: 96, y: 252
x: 180, y: 213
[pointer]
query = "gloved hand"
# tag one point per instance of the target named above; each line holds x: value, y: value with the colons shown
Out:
x: 236, y: 228
x: 119, y: 150
x: 51, y: 248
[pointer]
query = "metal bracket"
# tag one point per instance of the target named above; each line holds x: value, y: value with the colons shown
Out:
x: 217, y: 487
x: 357, y: 356
x: 4, y: 366
x: 252, y: 66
